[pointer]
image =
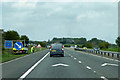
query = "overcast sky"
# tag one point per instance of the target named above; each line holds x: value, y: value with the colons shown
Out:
x: 45, y: 20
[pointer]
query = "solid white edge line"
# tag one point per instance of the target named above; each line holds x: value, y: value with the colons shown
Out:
x: 30, y: 70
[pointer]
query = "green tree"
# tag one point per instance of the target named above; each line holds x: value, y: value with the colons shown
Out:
x: 100, y: 45
x: 80, y: 40
x: 103, y: 45
x: 118, y: 41
x: 95, y: 42
x: 24, y: 37
x: 11, y: 35
x: 88, y: 45
x: 106, y: 44
x: 66, y: 45
x: 43, y: 44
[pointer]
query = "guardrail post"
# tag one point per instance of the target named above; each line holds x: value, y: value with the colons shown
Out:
x: 112, y: 54
x: 96, y: 52
x: 117, y: 55
x: 104, y: 53
x: 108, y: 54
x: 91, y: 51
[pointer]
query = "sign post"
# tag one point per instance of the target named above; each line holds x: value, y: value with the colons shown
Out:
x: 8, y: 45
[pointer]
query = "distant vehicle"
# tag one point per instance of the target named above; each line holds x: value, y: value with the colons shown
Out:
x: 76, y: 48
x: 84, y: 47
x: 96, y: 49
x: 56, y: 49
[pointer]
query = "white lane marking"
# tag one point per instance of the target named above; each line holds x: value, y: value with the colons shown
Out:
x: 79, y: 61
x: 105, y: 64
x: 30, y: 70
x: 74, y: 58
x: 60, y: 64
x: 103, y: 78
x: 88, y: 67
x: 71, y: 56
x: 101, y: 56
x: 94, y: 71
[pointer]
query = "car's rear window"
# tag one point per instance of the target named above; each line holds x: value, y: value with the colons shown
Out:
x: 56, y: 46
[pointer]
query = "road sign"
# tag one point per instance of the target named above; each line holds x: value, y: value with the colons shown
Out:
x: 18, y: 45
x: 39, y: 46
x: 8, y: 44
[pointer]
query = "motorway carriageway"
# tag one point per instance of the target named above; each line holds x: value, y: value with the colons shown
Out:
x: 75, y: 64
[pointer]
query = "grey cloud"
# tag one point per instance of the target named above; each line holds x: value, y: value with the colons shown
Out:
x: 65, y: 19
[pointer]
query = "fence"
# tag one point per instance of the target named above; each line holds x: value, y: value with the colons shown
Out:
x: 103, y: 53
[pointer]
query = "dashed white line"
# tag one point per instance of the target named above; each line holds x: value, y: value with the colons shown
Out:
x: 94, y: 71
x: 74, y: 58
x: 30, y: 70
x: 79, y: 61
x: 88, y: 67
x: 103, y: 78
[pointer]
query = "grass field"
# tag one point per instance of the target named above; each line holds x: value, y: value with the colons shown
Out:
x: 112, y: 49
x: 8, y: 55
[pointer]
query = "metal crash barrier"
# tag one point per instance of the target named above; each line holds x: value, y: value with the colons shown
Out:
x: 103, y: 53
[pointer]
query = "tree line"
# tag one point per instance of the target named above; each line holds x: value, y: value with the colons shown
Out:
x: 13, y: 35
x: 83, y: 42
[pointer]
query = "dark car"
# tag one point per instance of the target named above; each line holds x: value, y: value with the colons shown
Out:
x: 56, y: 49
x: 96, y: 49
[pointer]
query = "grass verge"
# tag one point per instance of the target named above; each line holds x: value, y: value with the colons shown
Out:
x: 112, y: 49
x: 8, y: 55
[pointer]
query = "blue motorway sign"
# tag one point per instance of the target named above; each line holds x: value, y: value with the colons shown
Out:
x: 8, y: 44
x: 18, y: 45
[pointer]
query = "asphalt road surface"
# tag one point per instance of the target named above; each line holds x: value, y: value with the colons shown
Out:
x: 74, y: 65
